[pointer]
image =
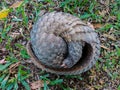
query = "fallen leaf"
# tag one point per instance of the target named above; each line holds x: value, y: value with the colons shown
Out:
x: 4, y: 13
x: 109, y: 37
x: 14, y: 34
x: 13, y: 68
x: 107, y: 2
x: 2, y: 61
x: 97, y: 25
x: 101, y: 81
x: 103, y: 13
x: 90, y: 87
x: 38, y: 84
x: 16, y: 4
x: 104, y: 47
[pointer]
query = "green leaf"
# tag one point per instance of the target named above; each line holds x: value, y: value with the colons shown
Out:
x: 19, y: 74
x: 26, y: 85
x: 45, y: 86
x: 118, y: 16
x: 18, y: 45
x: 24, y: 54
x: 91, y: 7
x: 3, y: 83
x: 15, y: 85
x: 2, y: 77
x: 118, y: 87
x: 118, y: 50
x: 74, y: 76
x: 25, y: 18
x: 57, y: 81
x: 16, y: 19
x: 44, y: 77
x: 12, y: 58
x: 24, y: 77
x: 85, y: 16
x: 63, y: 4
x: 10, y: 86
x: 5, y: 31
x: 3, y: 67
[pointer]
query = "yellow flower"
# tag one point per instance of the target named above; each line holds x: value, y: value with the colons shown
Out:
x: 4, y: 13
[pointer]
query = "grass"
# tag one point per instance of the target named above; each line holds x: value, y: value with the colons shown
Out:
x: 14, y: 34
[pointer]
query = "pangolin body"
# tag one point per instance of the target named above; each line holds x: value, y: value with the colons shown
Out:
x: 58, y: 40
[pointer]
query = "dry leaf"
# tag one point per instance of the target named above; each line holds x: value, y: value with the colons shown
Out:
x: 101, y: 81
x: 4, y: 13
x: 109, y: 37
x: 13, y: 68
x: 2, y: 61
x: 104, y: 47
x: 97, y: 25
x: 16, y: 4
x: 103, y: 13
x: 37, y: 84
x: 14, y: 34
x: 105, y: 2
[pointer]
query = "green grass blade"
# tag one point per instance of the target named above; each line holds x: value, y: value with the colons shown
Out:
x: 57, y: 81
x: 3, y: 67
x: 4, y: 82
x: 26, y: 85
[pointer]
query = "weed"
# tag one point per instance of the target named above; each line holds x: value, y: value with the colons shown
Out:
x: 51, y: 82
x: 74, y: 76
x: 118, y: 87
x: 11, y: 80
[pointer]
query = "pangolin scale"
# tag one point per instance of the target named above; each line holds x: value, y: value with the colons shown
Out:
x: 61, y: 43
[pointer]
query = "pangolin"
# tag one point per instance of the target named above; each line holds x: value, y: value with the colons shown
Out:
x: 60, y: 41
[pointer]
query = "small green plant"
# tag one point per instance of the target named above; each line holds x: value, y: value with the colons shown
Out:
x: 45, y: 78
x: 118, y: 87
x: 10, y: 79
x: 74, y: 76
x: 118, y: 50
x: 113, y: 75
x: 23, y: 51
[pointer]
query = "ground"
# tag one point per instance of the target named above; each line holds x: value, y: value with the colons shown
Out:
x: 18, y: 72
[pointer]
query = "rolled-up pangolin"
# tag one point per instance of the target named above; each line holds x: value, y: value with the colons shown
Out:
x: 58, y: 40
